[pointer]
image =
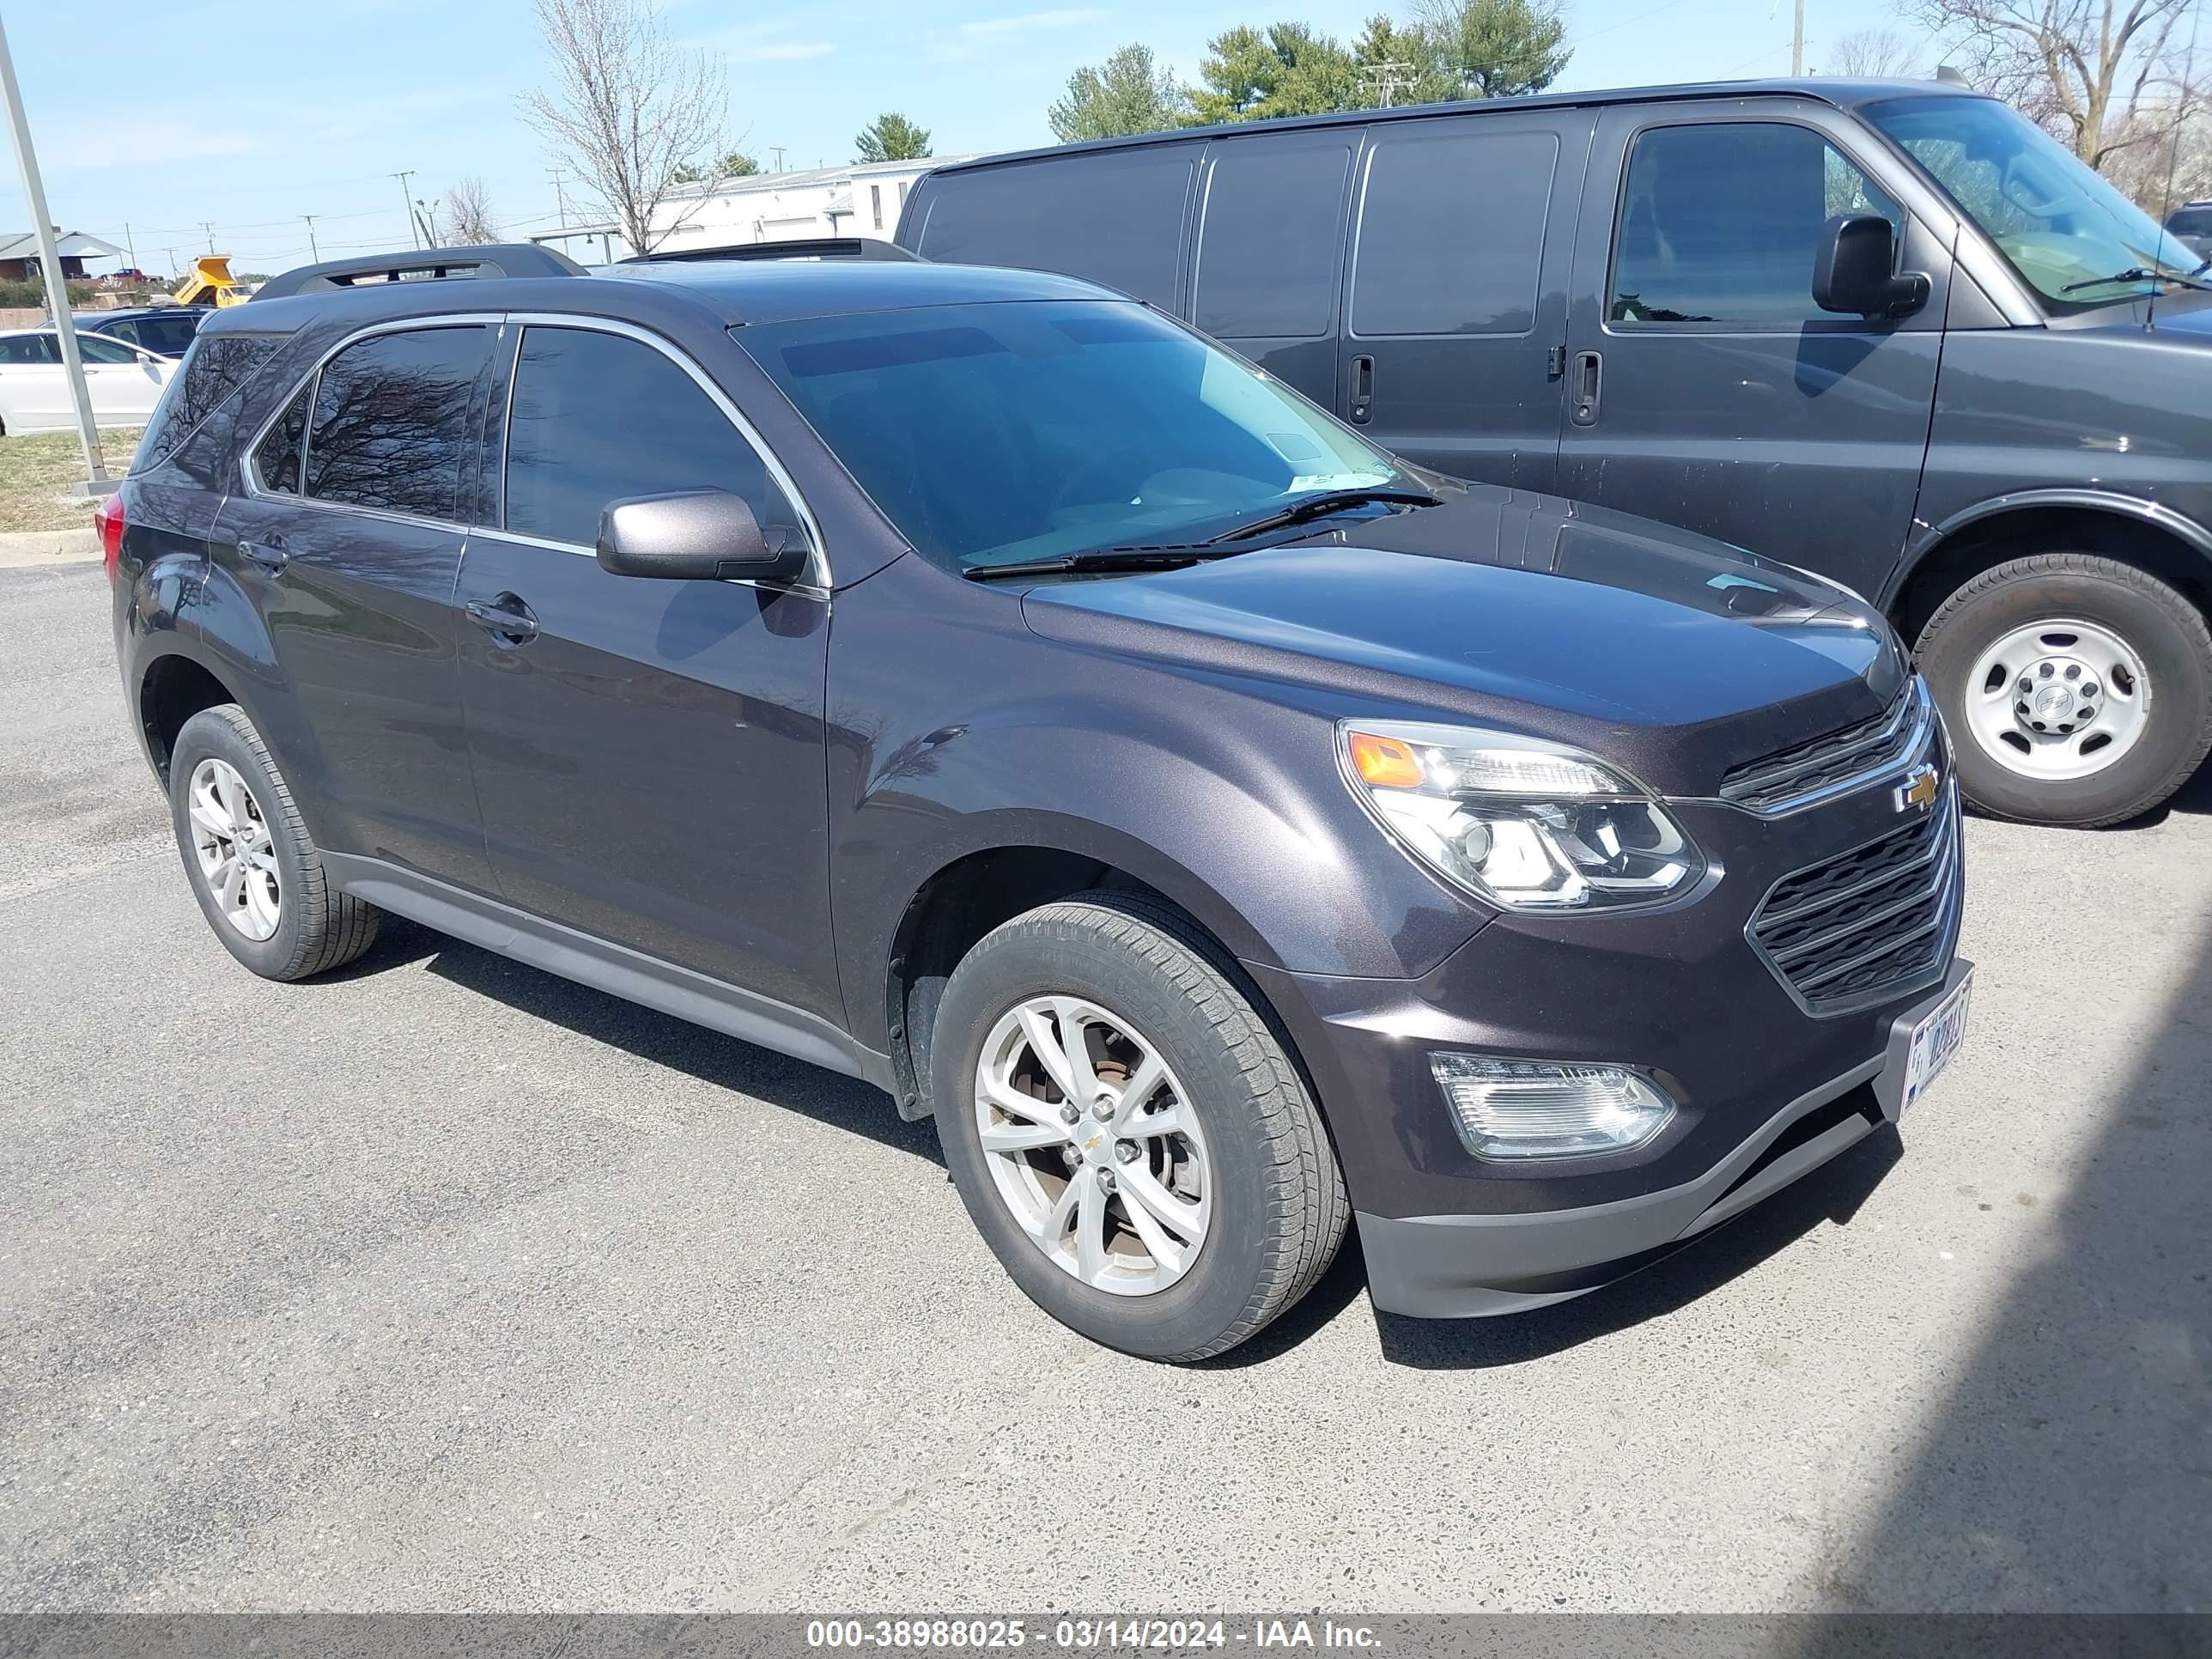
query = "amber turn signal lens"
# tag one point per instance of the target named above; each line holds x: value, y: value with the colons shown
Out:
x: 1386, y: 763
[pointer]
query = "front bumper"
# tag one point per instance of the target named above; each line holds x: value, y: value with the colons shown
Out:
x: 1450, y: 1266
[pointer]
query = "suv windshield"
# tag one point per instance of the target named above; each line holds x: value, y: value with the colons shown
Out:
x: 996, y: 432
x: 2074, y: 238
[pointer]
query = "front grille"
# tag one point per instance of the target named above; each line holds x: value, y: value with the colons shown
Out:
x: 1868, y: 924
x: 1807, y: 772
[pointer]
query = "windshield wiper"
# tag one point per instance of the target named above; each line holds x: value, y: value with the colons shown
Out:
x: 2139, y: 274
x: 1327, y: 502
x: 1162, y: 556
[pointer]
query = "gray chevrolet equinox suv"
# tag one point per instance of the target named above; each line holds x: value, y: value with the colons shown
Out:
x: 978, y: 683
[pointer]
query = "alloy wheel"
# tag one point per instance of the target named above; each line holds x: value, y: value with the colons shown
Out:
x: 237, y: 857
x: 1093, y: 1145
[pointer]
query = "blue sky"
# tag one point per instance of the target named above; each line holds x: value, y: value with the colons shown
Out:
x: 252, y: 116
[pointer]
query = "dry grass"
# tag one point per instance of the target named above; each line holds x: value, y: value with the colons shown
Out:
x: 36, y: 473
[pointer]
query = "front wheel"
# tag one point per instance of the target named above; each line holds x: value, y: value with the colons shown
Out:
x: 2078, y: 690
x: 1126, y: 1132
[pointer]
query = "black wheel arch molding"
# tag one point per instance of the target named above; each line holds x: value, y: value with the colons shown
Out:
x: 2134, y: 511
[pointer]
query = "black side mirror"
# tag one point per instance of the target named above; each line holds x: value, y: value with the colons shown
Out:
x: 697, y: 534
x: 1856, y: 270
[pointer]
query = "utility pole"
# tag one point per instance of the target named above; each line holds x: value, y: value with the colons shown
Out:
x: 407, y: 206
x: 1387, y: 78
x: 50, y: 267
x: 171, y: 253
x: 314, y: 254
x: 1797, y: 44
x: 429, y: 213
x: 778, y: 148
x: 129, y: 245
x: 208, y: 225
x: 560, y: 201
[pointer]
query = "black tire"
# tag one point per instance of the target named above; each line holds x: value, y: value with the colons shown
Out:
x: 318, y: 927
x: 1279, y: 1205
x: 2165, y: 628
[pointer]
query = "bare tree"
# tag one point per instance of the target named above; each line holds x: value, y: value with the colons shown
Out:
x: 1877, y: 55
x: 632, y: 109
x: 2096, y: 72
x: 468, y: 220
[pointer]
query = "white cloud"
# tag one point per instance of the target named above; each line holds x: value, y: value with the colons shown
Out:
x: 1033, y: 20
x: 785, y: 51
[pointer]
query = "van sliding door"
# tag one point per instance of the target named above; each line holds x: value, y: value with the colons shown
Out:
x: 1456, y: 293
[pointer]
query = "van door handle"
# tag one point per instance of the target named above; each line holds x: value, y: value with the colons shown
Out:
x: 506, y: 616
x: 1589, y: 383
x: 269, y: 555
x: 1363, y: 390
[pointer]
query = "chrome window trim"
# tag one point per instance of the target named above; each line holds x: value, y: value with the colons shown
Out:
x: 1919, y: 707
x: 804, y: 589
x: 251, y: 480
x: 818, y: 575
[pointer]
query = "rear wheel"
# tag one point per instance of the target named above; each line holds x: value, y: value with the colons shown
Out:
x: 2078, y: 690
x: 251, y: 864
x: 1127, y: 1134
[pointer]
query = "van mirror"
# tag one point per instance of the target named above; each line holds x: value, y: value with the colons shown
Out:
x: 1856, y: 269
x: 697, y: 534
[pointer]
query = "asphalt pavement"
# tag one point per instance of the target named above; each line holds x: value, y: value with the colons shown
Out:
x: 445, y: 1284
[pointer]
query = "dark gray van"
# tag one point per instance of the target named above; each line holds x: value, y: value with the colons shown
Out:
x: 1891, y: 331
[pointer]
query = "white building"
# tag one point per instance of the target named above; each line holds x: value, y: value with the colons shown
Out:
x: 863, y: 199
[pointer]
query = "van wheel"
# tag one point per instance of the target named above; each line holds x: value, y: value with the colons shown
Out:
x: 1127, y: 1134
x: 252, y: 867
x: 2078, y: 690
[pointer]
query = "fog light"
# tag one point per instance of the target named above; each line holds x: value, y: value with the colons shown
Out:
x: 1509, y: 1108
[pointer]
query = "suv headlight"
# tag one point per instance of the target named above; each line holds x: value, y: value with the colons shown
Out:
x: 1520, y: 823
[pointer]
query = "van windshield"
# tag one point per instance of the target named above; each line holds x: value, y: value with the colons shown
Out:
x: 2077, y: 240
x: 993, y: 433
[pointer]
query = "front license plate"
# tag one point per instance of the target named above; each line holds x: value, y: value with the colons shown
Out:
x: 1934, y: 1040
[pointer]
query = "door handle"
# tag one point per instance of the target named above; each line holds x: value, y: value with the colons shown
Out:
x: 1363, y: 390
x: 1588, y: 386
x: 269, y: 555
x: 505, y: 616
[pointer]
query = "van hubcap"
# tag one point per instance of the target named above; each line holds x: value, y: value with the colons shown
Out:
x: 1092, y: 1145
x: 2058, y: 700
x: 237, y: 859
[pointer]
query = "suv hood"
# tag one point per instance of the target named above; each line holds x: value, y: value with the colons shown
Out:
x: 1670, y: 653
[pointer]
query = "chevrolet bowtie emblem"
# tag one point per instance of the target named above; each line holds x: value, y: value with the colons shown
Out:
x: 1920, y: 789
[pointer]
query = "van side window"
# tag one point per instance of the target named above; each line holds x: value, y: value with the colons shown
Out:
x: 1451, y: 229
x: 1268, y: 248
x: 276, y: 457
x: 391, y: 428
x: 1115, y: 218
x: 1720, y: 223
x: 597, y: 418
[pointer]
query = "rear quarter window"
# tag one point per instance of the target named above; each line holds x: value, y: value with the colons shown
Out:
x: 215, y: 370
x: 1113, y: 217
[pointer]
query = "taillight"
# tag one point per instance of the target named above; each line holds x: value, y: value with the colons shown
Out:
x: 107, y: 517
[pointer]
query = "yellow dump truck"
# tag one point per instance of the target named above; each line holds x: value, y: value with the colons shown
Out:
x: 212, y: 284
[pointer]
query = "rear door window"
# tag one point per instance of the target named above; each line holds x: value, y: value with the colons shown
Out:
x: 1722, y: 223
x: 597, y: 418
x: 391, y: 429
x: 1271, y: 237
x: 1452, y: 221
x: 1113, y: 217
x: 29, y: 349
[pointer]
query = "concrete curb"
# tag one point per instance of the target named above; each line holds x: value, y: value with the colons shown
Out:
x: 29, y: 547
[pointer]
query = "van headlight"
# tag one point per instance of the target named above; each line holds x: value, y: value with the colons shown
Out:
x: 1515, y: 821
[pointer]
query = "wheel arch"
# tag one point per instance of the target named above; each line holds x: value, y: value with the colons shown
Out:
x: 2153, y: 537
x: 173, y: 687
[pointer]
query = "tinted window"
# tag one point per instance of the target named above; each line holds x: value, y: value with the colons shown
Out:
x: 276, y: 457
x: 128, y: 332
x: 1115, y: 218
x: 167, y: 334
x: 994, y: 432
x: 212, y: 370
x: 2190, y: 222
x: 1274, y: 223
x: 1722, y: 223
x: 597, y: 418
x: 29, y: 349
x: 1451, y: 230
x: 391, y: 426
x: 99, y: 348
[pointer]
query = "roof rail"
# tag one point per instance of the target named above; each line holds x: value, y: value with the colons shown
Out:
x: 801, y: 247
x: 423, y: 265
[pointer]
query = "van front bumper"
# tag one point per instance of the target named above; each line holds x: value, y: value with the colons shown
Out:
x: 1459, y: 1266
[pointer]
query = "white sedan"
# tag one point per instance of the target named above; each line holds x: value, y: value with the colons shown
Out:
x: 126, y: 381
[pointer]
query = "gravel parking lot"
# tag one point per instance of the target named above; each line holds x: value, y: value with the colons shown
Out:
x: 445, y: 1284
